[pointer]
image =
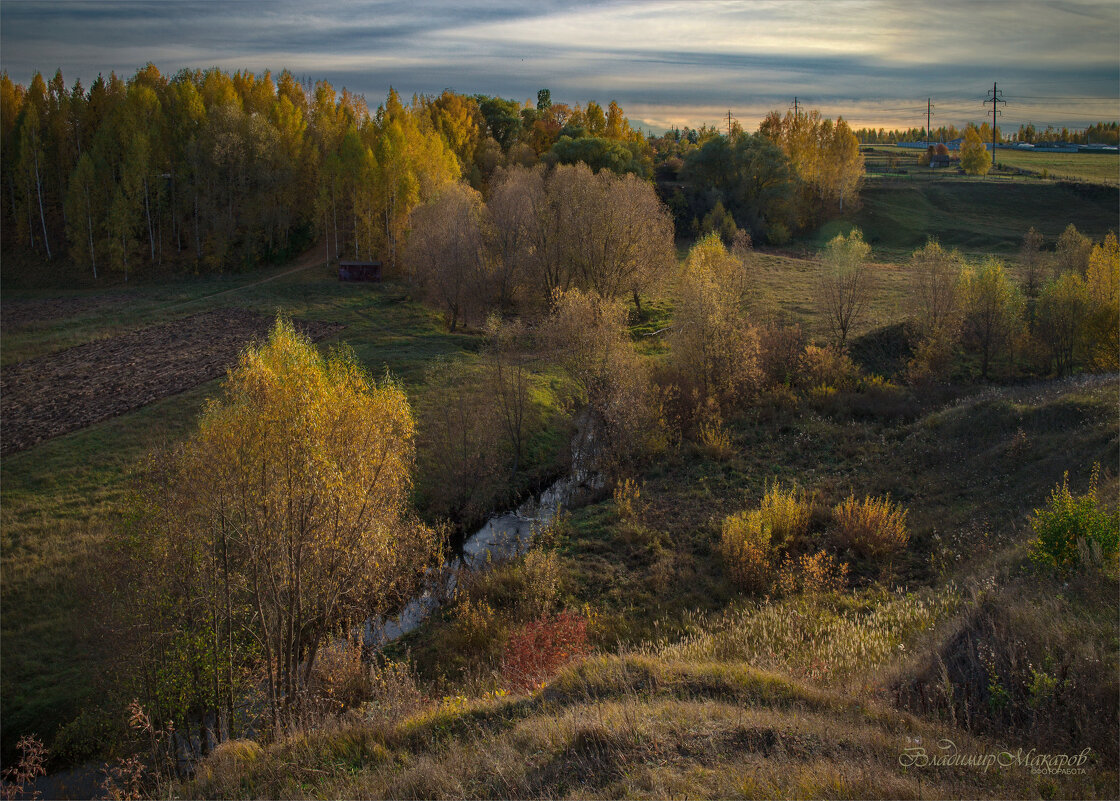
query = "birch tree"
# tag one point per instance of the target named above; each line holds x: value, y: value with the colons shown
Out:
x: 844, y: 284
x: 290, y: 506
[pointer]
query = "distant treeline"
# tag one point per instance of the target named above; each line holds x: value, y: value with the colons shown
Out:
x: 1101, y: 133
x: 210, y: 170
x: 215, y: 171
x: 795, y: 171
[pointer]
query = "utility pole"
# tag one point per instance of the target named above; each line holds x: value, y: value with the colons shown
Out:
x: 795, y: 107
x: 729, y: 123
x: 995, y: 97
x: 929, y: 108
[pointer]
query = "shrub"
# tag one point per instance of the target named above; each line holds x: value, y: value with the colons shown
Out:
x: 715, y: 439
x: 828, y: 366
x: 821, y: 572
x: 33, y: 755
x: 880, y: 398
x: 394, y: 692
x: 781, y: 354
x: 537, y: 650
x: 340, y: 678
x: 933, y: 358
x: 628, y: 499
x: 747, y: 548
x: 477, y: 627
x: 873, y: 527
x: 787, y: 512
x: 525, y: 588
x: 750, y: 539
x: 88, y: 736
x: 1072, y: 524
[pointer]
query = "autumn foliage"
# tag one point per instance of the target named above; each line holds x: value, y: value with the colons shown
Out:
x: 282, y: 520
x: 537, y: 650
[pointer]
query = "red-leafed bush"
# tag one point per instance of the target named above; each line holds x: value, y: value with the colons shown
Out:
x: 541, y: 647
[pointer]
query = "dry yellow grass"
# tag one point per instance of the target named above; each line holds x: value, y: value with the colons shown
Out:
x: 874, y: 527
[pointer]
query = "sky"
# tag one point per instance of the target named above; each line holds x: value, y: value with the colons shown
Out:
x: 876, y: 62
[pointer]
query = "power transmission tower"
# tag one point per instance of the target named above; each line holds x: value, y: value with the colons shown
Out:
x: 929, y: 109
x: 795, y: 107
x: 995, y: 97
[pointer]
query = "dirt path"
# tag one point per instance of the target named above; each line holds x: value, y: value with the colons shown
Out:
x: 62, y: 392
x: 308, y: 260
x: 20, y: 313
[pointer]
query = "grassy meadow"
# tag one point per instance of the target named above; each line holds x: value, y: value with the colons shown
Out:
x: 694, y: 688
x: 62, y: 496
x: 1094, y: 168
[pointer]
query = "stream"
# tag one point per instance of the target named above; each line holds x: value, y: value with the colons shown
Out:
x: 503, y: 536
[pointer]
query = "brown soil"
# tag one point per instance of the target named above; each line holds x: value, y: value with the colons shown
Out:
x: 62, y: 392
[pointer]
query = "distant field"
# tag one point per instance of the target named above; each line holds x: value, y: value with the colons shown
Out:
x: 1098, y: 168
x: 976, y: 215
x: 1102, y: 168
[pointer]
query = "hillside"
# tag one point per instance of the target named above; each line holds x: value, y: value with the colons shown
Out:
x: 976, y: 215
x: 808, y: 696
x: 692, y: 685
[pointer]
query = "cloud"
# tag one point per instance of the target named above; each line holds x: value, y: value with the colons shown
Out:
x: 874, y: 60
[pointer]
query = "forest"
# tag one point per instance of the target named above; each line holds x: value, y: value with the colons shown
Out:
x: 208, y: 171
x: 796, y: 501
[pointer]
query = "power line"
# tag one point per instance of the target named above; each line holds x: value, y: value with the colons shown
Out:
x: 1065, y: 97
x: 995, y: 97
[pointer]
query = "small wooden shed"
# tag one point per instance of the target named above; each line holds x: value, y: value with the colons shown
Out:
x: 359, y: 271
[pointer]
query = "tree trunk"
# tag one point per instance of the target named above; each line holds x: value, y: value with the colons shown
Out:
x: 30, y: 219
x: 197, y: 237
x: 42, y: 216
x: 89, y: 223
x: 229, y: 641
x: 334, y: 215
x: 148, y: 214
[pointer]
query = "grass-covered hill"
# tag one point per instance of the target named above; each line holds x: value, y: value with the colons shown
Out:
x: 808, y: 696
x: 701, y: 692
x: 682, y: 682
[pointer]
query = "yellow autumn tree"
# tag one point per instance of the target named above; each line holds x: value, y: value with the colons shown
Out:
x: 1103, y: 280
x: 713, y: 348
x: 413, y: 164
x: 284, y: 519
x: 824, y: 154
x: 844, y: 284
x: 975, y: 158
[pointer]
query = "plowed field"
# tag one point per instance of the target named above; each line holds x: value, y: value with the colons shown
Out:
x: 62, y: 392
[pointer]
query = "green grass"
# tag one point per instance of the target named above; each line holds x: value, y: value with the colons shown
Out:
x: 886, y: 161
x: 785, y: 288
x: 638, y: 725
x: 698, y: 691
x: 1097, y: 168
x: 976, y: 215
x: 63, y: 497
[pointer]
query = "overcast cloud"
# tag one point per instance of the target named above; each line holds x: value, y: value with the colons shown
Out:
x: 664, y: 62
